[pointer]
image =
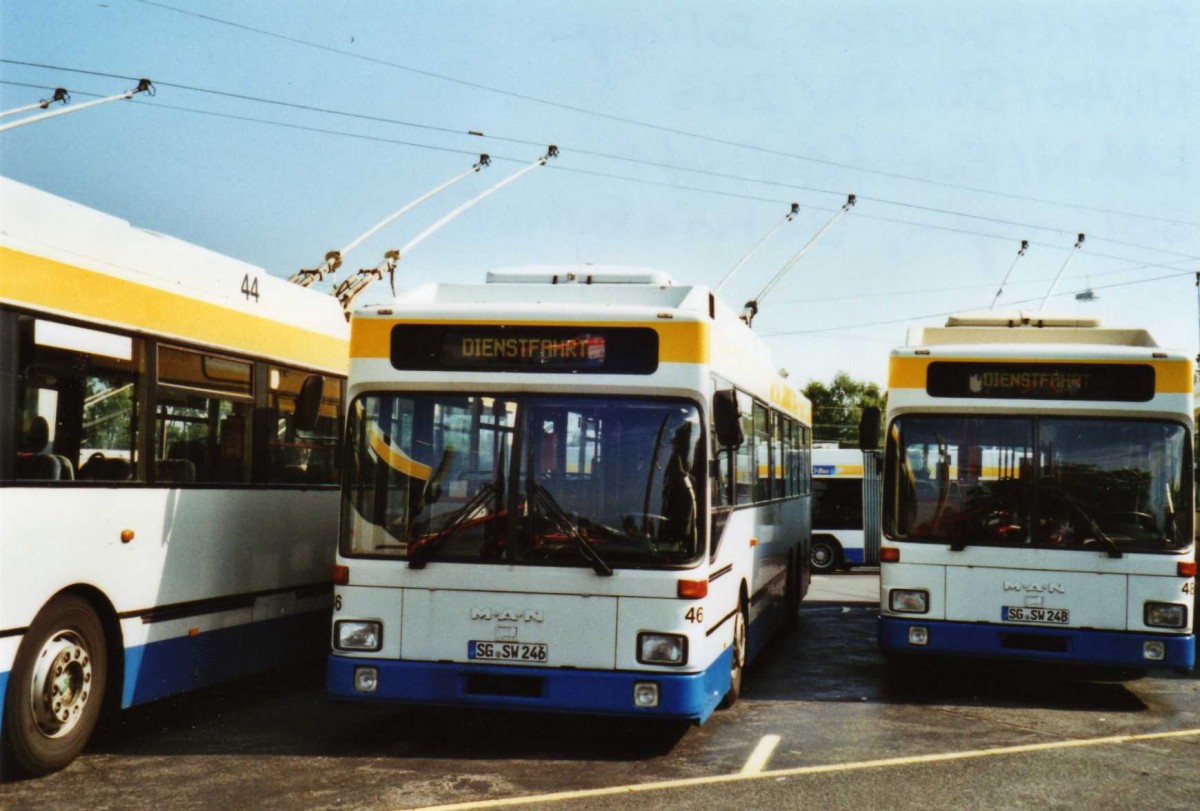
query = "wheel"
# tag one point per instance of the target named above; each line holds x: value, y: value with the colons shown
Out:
x: 824, y: 555
x: 56, y: 688
x: 737, y: 665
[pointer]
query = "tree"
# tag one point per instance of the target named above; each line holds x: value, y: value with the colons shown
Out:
x: 838, y: 407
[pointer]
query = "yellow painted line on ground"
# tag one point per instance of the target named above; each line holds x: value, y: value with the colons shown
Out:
x: 761, y: 755
x: 662, y: 785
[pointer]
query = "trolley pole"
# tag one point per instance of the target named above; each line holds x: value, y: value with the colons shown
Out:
x: 144, y: 86
x: 1054, y: 284
x: 60, y: 94
x: 348, y: 290
x: 751, y: 306
x: 333, y: 259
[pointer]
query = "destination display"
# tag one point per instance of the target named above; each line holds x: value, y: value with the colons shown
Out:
x: 1129, y: 383
x: 579, y: 350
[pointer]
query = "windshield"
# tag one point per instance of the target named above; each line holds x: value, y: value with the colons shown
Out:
x: 574, y: 481
x: 1104, y: 484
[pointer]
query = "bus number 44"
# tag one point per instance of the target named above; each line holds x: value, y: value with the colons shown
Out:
x: 250, y: 287
x: 694, y: 614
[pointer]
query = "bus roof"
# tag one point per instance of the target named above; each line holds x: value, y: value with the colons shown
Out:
x: 1022, y: 328
x: 61, y: 257
x: 697, y: 326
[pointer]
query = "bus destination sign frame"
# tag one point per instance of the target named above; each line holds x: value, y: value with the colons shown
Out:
x: 1097, y: 382
x: 583, y: 349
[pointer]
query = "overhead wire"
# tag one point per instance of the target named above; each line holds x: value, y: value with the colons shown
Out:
x: 959, y: 310
x: 599, y: 154
x: 650, y: 125
x: 607, y: 175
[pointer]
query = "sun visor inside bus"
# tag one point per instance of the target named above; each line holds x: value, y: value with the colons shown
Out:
x: 496, y: 347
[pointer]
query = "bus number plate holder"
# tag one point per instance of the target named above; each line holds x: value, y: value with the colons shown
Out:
x: 483, y: 650
x: 1045, y: 616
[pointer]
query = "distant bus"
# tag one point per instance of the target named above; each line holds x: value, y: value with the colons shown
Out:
x: 845, y: 510
x: 566, y: 490
x: 1037, y: 495
x: 169, y: 430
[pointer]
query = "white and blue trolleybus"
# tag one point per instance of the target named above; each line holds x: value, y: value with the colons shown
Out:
x: 1038, y: 495
x: 169, y: 422
x: 576, y: 489
x: 845, y: 509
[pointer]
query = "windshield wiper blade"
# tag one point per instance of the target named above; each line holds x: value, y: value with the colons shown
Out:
x: 1108, y: 543
x: 542, y: 497
x: 422, y: 549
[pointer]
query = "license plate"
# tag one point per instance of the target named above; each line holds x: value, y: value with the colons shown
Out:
x: 1048, y: 616
x: 507, y: 651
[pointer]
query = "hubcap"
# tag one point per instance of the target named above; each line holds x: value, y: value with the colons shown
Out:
x: 821, y: 555
x: 61, y: 684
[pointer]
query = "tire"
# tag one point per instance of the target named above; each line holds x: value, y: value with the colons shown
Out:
x: 791, y: 596
x: 737, y: 667
x: 825, y: 555
x: 56, y: 688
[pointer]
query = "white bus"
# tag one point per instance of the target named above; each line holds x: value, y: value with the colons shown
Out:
x: 1036, y: 496
x: 167, y: 475
x: 552, y: 499
x: 845, y: 508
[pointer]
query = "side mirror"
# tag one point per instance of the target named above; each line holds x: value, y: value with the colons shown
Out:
x: 868, y: 429
x: 308, y: 405
x: 726, y: 419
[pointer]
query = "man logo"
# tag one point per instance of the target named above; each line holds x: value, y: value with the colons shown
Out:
x: 507, y: 615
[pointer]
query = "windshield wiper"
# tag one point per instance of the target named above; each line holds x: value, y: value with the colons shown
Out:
x: 422, y: 549
x: 541, y: 497
x: 1108, y: 543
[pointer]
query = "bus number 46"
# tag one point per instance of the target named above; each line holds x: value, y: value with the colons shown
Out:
x: 694, y: 615
x: 250, y: 287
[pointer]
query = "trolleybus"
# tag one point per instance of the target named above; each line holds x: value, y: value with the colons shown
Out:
x: 567, y: 489
x: 1037, y: 494
x: 845, y: 509
x: 169, y: 423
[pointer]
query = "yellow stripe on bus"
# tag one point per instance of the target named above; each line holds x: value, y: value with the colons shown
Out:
x: 1170, y: 376
x: 44, y: 284
x: 395, y: 458
x: 678, y: 342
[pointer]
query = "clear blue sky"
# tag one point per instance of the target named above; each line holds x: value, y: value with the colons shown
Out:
x: 1088, y: 103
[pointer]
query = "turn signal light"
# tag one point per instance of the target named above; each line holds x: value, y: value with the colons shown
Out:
x: 889, y: 554
x: 1186, y: 568
x: 693, y: 589
x: 341, y: 575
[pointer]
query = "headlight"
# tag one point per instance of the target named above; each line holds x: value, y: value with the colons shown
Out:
x: 661, y: 649
x: 908, y: 601
x: 357, y: 635
x: 1165, y: 615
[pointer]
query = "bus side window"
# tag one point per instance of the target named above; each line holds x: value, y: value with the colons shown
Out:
x: 203, y: 426
x: 76, y: 402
